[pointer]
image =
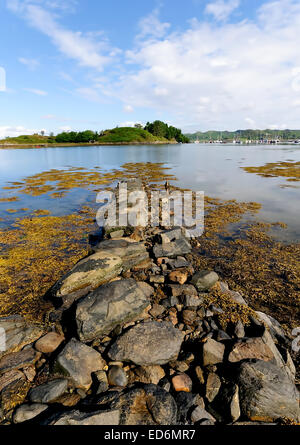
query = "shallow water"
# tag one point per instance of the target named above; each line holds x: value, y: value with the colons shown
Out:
x: 214, y: 169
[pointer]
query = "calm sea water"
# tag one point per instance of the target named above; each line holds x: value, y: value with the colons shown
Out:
x: 214, y: 169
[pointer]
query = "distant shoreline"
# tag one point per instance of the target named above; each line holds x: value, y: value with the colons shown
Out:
x: 57, y: 145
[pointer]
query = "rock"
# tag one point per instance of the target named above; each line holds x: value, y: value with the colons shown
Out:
x: 179, y: 366
x: 131, y: 253
x: 102, y: 381
x: 266, y: 392
x: 235, y: 410
x: 18, y: 360
x: 117, y: 234
x: 199, y: 413
x: 144, y: 405
x: 172, y: 249
x: 182, y: 289
x: 49, y: 343
x: 29, y: 373
x: 150, y: 374
x: 213, y: 385
x: 236, y: 297
x: 75, y: 417
x: 182, y: 382
x: 69, y: 400
x: 185, y: 402
x: 213, y: 352
x: 239, y: 330
x: 222, y: 335
x: 157, y: 310
x: 117, y: 376
x: 250, y: 348
x: 18, y: 333
x: 181, y: 262
x: 148, y: 344
x: 275, y: 327
x: 171, y: 235
x: 48, y: 392
x: 28, y: 411
x: 110, y: 305
x: 200, y: 375
x: 158, y: 279
x: 204, y: 280
x: 78, y: 361
x: 189, y: 317
x: 192, y: 301
x: 178, y: 276
x: 13, y: 390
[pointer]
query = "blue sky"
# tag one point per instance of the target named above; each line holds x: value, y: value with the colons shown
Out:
x: 200, y: 65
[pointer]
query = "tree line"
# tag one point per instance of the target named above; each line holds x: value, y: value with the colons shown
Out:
x: 161, y: 129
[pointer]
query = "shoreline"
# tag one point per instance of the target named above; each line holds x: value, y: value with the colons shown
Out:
x: 20, y: 146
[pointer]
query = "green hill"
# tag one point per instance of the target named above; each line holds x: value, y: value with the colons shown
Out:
x: 128, y: 135
x: 28, y: 139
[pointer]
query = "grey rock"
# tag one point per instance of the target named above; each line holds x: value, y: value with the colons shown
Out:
x: 48, y: 392
x: 108, y: 306
x: 266, y: 392
x: 171, y: 235
x: 250, y: 348
x: 148, y: 344
x: 213, y: 385
x: 79, y: 361
x: 275, y: 327
x: 173, y: 249
x: 149, y: 374
x: 182, y: 289
x: 239, y: 330
x: 18, y: 360
x: 144, y: 405
x: 117, y: 234
x: 18, y: 333
x: 200, y: 413
x: 98, y: 418
x: 28, y: 411
x: 117, y: 376
x: 204, y: 280
x: 213, y: 352
x: 102, y: 381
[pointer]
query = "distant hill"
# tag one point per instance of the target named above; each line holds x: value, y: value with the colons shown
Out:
x: 284, y: 135
x: 128, y: 135
x: 28, y: 139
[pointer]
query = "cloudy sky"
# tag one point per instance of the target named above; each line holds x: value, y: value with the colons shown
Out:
x: 198, y: 64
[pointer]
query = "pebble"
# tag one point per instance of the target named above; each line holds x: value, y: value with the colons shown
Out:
x: 182, y: 382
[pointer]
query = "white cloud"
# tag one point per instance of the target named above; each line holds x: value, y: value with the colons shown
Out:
x: 31, y: 64
x: 128, y: 109
x: 242, y: 69
x: 36, y: 91
x: 222, y: 9
x: 130, y: 124
x: 85, y: 49
x: 12, y: 131
x: 151, y: 26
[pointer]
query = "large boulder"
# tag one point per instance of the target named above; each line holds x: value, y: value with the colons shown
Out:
x: 97, y: 418
x: 16, y: 333
x: 147, y: 344
x: 266, y: 392
x: 109, y: 306
x: 131, y: 252
x: 143, y: 405
x: 79, y: 361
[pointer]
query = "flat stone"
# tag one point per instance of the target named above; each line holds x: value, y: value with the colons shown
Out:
x: 75, y: 417
x: 157, y: 310
x: 110, y: 305
x: 147, y: 344
x: 18, y: 333
x: 266, y: 392
x: 182, y: 289
x: 172, y: 249
x: 250, y: 348
x: 182, y: 382
x: 204, y: 280
x: 213, y: 385
x: 18, y: 360
x: 213, y: 352
x: 79, y: 361
x: 28, y: 411
x: 48, y: 392
x: 117, y: 376
x: 49, y: 343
